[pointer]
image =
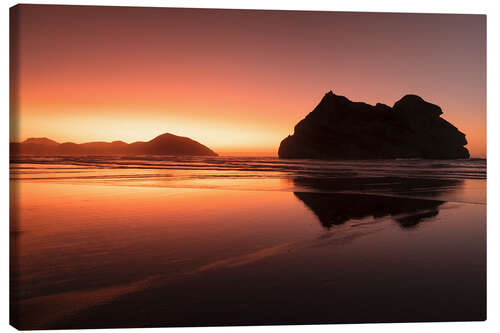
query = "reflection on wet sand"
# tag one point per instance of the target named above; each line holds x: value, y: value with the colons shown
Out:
x: 416, y: 187
x: 335, y: 208
x: 338, y: 208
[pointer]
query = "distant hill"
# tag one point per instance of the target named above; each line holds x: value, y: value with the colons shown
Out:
x: 341, y: 129
x: 165, y: 144
x: 41, y: 141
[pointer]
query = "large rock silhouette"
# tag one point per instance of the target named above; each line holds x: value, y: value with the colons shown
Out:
x: 341, y: 129
x: 165, y: 144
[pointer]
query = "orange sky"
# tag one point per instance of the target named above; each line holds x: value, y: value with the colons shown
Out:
x: 236, y: 81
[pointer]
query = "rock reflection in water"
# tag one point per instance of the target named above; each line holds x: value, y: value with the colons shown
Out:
x: 334, y: 208
x: 338, y: 208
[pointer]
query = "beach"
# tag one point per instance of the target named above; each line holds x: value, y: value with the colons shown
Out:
x: 201, y: 241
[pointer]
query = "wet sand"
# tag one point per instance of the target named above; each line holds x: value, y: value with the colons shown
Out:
x: 95, y: 247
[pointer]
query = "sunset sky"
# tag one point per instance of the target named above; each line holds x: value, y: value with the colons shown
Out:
x: 236, y: 81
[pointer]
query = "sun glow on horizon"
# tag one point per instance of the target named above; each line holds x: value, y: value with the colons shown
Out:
x: 223, y: 137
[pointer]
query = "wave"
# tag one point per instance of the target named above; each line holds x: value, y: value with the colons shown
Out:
x: 462, y: 169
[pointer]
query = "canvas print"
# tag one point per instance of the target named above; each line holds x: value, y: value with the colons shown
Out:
x: 212, y: 167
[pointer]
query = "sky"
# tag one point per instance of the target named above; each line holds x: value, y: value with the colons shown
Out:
x: 236, y: 81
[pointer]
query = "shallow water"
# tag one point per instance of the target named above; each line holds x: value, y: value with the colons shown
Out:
x: 164, y: 241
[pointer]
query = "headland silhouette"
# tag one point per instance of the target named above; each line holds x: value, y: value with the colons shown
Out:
x: 341, y: 129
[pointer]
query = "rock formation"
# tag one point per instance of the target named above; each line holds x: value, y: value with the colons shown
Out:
x: 341, y: 129
x: 165, y: 144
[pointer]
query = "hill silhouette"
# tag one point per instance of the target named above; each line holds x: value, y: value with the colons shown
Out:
x: 40, y: 141
x: 341, y: 129
x: 165, y: 144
